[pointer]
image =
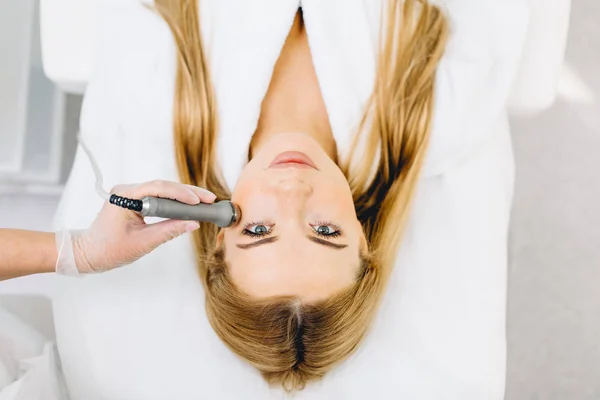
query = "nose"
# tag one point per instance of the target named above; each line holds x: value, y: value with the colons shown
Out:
x: 291, y: 196
x: 292, y: 189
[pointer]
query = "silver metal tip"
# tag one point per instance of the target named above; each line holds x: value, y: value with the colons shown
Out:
x: 237, y: 215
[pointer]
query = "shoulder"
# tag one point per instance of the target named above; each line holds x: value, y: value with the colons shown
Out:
x: 475, y: 76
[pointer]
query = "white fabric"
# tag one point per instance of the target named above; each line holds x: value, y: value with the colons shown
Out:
x: 536, y: 85
x: 28, y: 365
x: 141, y: 332
x: 69, y: 28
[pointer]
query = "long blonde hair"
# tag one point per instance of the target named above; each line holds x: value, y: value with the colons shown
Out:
x: 290, y: 342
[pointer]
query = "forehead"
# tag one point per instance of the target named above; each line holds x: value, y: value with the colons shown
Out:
x: 292, y: 267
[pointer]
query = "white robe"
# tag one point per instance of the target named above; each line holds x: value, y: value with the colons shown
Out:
x: 141, y: 332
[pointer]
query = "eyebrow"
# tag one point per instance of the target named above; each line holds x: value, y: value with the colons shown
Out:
x: 260, y: 242
x: 275, y: 238
x: 327, y: 243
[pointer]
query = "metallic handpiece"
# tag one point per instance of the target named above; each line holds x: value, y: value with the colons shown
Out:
x: 224, y: 213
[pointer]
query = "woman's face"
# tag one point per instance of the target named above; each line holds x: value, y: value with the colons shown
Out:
x: 299, y: 234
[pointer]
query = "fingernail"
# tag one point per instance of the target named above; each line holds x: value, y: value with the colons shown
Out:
x: 209, y: 194
x: 191, y: 226
x: 194, y: 196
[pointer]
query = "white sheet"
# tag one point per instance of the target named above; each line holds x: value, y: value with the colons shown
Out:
x: 29, y: 368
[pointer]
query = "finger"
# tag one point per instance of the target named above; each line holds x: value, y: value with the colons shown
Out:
x: 205, y: 196
x: 165, y: 190
x: 153, y: 235
x: 109, y: 212
x: 121, y: 189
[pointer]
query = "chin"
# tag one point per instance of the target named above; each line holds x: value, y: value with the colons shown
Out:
x: 297, y: 141
x: 287, y: 139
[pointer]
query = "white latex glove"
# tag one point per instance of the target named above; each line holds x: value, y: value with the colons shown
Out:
x: 118, y: 236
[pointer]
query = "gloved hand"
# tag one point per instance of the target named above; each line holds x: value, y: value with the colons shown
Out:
x: 118, y: 236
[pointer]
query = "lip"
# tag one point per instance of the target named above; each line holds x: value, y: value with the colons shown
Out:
x: 292, y: 159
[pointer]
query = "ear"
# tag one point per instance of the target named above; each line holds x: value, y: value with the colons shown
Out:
x: 220, y: 237
x: 363, y: 244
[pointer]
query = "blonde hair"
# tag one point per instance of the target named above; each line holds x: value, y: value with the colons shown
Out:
x: 292, y: 343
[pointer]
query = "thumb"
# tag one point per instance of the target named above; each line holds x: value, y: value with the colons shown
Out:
x: 153, y: 235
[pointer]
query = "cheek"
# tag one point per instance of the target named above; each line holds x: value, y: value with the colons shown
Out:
x: 252, y: 199
x: 246, y: 185
x: 335, y: 192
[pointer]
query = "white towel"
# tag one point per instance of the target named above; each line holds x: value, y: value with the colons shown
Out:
x: 29, y: 367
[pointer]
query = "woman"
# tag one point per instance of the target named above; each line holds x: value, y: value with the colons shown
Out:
x: 330, y: 245
x: 293, y: 289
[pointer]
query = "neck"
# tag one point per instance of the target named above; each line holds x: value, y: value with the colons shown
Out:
x: 293, y: 102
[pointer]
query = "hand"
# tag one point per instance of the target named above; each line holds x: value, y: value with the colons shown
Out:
x: 118, y: 236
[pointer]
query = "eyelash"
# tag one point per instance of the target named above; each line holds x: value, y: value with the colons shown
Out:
x: 335, y: 234
x: 246, y: 230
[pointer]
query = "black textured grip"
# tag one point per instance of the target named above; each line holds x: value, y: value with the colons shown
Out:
x: 124, y: 202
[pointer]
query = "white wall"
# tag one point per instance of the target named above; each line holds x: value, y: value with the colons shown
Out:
x: 36, y: 123
x: 15, y: 37
x: 31, y: 108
